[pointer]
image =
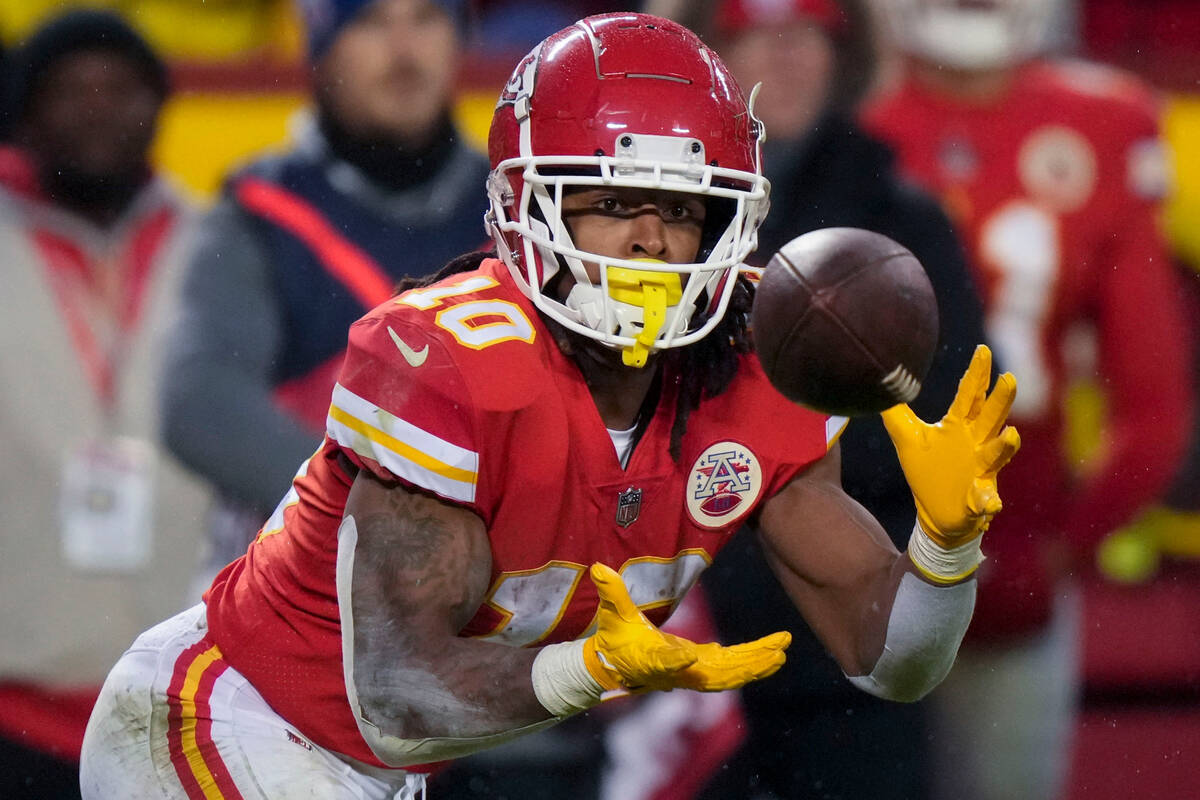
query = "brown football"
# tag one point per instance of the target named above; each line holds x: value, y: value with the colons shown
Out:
x: 845, y: 321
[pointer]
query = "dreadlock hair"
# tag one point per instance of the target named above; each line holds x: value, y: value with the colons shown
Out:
x: 706, y: 368
x: 464, y: 263
x: 702, y: 370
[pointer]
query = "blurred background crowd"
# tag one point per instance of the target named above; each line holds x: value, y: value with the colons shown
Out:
x: 197, y: 197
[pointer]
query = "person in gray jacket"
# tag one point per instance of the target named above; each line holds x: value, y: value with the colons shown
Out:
x: 379, y: 185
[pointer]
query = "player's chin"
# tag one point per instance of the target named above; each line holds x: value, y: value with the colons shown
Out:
x: 610, y: 357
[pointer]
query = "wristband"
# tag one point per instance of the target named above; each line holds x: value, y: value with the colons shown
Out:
x: 561, y: 679
x: 943, y: 565
x: 598, y: 667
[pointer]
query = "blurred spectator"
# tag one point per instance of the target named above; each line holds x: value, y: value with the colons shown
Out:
x: 810, y: 733
x: 298, y: 246
x: 1160, y: 39
x: 101, y: 529
x: 1055, y: 172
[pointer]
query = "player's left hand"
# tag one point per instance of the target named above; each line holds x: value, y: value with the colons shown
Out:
x: 951, y: 466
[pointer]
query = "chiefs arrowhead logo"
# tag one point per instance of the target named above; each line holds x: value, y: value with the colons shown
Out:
x: 725, y: 482
x: 520, y: 85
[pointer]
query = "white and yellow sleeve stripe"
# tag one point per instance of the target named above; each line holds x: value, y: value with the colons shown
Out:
x: 274, y: 523
x: 405, y: 450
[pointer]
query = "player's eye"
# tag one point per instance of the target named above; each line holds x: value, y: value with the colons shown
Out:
x: 683, y: 212
x: 610, y: 204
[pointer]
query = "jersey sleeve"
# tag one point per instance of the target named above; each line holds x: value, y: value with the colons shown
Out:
x: 811, y: 435
x: 1142, y: 335
x: 1143, y: 347
x: 402, y: 410
x: 1144, y: 157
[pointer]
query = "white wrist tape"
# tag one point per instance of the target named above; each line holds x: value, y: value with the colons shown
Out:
x: 925, y: 628
x: 561, y: 680
x: 939, y: 564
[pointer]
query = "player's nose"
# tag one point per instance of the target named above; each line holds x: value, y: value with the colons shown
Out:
x: 648, y: 235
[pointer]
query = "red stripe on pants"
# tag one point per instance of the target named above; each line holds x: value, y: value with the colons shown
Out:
x: 194, y: 754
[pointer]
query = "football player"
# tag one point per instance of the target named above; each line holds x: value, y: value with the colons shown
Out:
x: 530, y: 460
x: 1054, y: 172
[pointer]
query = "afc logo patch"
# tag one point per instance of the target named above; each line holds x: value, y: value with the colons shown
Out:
x: 723, y: 484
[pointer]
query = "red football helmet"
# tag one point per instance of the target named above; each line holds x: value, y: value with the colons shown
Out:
x: 625, y: 100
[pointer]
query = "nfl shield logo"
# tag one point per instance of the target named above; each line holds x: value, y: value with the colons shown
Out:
x: 629, y: 505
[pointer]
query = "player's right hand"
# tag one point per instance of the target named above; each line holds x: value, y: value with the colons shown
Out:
x: 627, y: 652
x: 718, y: 667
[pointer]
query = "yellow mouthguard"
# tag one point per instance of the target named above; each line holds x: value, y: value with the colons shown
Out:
x: 653, y: 292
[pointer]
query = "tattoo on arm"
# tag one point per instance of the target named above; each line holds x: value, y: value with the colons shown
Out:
x: 421, y: 570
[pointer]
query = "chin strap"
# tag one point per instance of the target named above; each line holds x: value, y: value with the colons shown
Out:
x: 654, y: 293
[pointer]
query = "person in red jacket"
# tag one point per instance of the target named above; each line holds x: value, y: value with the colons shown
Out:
x: 1054, y: 172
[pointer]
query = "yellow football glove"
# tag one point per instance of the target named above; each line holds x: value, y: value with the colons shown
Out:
x: 951, y: 466
x: 627, y: 652
x: 718, y: 668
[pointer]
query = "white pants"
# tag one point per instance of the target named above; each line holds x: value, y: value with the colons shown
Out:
x: 173, y: 722
x: 1004, y: 718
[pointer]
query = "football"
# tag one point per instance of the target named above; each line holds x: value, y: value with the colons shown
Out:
x: 845, y: 321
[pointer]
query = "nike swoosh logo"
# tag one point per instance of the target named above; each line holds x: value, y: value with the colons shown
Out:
x: 415, y: 358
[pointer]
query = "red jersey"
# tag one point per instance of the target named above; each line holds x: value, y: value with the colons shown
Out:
x: 1056, y: 189
x: 458, y: 389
